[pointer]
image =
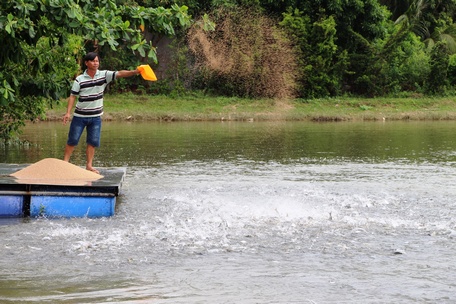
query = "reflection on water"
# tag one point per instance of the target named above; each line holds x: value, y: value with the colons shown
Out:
x: 150, y: 144
x: 248, y: 213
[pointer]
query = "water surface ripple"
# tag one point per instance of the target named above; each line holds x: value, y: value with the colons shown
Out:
x: 305, y: 230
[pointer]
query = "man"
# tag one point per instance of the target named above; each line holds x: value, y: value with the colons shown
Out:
x: 89, y: 87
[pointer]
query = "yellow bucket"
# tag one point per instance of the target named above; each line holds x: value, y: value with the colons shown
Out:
x: 147, y: 73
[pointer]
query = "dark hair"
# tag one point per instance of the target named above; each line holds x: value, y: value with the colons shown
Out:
x: 91, y: 56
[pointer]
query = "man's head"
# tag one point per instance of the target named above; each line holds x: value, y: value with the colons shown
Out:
x: 90, y: 56
x: 92, y: 61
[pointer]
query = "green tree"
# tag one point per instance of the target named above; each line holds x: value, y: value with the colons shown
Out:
x: 346, y: 29
x: 429, y: 19
x: 438, y: 80
x: 321, y: 64
x: 432, y: 21
x: 405, y: 69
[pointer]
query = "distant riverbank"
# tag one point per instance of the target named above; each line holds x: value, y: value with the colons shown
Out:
x: 205, y: 108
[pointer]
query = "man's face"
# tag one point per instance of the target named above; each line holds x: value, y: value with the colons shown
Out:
x: 93, y: 64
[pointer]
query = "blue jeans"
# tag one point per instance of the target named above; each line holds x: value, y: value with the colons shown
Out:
x: 93, y: 125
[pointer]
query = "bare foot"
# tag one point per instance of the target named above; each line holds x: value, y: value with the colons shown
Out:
x: 93, y: 170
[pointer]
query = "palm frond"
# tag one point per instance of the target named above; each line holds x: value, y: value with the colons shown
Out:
x: 429, y: 43
x: 450, y: 30
x: 421, y: 30
x: 403, y: 19
x: 450, y: 42
x: 418, y: 8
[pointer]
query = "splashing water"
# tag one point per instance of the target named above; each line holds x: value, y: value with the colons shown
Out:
x: 243, y: 232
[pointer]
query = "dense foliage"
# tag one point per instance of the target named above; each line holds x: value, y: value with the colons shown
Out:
x: 305, y: 48
x: 358, y: 47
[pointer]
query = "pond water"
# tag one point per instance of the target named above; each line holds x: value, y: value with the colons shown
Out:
x: 230, y: 212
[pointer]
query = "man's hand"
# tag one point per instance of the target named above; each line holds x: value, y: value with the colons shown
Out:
x: 71, y: 101
x: 66, y: 118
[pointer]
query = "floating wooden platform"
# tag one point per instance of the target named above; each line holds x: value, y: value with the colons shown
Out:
x: 39, y: 198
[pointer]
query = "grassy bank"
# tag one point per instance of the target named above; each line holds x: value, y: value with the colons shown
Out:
x: 194, y: 108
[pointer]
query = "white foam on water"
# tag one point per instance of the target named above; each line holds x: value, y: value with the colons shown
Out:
x: 190, y: 233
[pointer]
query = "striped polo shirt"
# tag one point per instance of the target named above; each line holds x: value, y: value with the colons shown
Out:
x: 90, y: 91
